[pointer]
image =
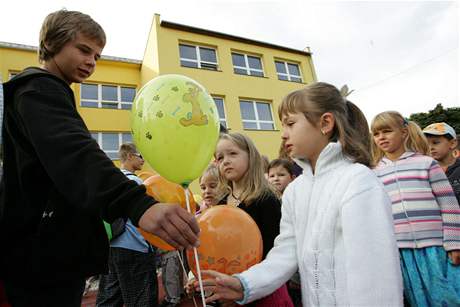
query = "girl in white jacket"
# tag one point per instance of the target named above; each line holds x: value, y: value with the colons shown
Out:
x: 336, y: 224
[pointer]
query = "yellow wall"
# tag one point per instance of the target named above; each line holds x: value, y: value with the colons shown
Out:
x: 231, y: 86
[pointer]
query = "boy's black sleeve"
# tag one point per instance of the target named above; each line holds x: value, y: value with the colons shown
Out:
x: 79, y: 169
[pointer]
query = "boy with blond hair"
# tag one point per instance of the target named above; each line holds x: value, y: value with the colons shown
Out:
x: 57, y: 184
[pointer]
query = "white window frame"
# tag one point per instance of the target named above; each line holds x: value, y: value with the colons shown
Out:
x: 224, y: 119
x: 120, y: 141
x: 288, y: 74
x: 247, y: 68
x: 198, y: 57
x: 257, y: 121
x: 99, y: 100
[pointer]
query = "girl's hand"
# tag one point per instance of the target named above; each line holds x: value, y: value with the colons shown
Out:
x: 454, y: 257
x: 223, y: 287
x: 189, y: 288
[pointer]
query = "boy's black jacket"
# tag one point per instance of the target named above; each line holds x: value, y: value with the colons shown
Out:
x: 57, y: 186
x: 453, y: 174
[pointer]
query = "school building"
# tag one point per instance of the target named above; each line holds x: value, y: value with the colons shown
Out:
x: 247, y: 79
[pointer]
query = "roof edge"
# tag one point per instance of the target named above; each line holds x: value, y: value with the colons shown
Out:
x: 35, y: 48
x: 177, y: 26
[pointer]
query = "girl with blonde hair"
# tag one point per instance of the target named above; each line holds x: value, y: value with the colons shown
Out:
x: 425, y: 211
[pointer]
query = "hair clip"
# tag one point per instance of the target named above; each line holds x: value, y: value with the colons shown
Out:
x: 405, y: 122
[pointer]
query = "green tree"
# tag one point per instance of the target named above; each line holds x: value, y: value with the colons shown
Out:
x: 450, y: 116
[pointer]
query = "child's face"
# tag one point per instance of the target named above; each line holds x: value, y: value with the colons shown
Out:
x: 209, y: 190
x: 279, y: 177
x: 302, y: 139
x: 390, y: 140
x: 77, y: 59
x: 233, y: 162
x: 440, y: 147
x: 136, y: 160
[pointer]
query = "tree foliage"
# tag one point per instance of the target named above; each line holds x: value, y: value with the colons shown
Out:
x: 450, y: 116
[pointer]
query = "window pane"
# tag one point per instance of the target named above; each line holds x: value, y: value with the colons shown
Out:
x: 88, y: 91
x: 254, y: 62
x: 220, y: 107
x: 263, y: 110
x: 280, y: 67
x: 294, y: 79
x: 208, y: 66
x: 89, y: 104
x: 187, y: 52
x: 109, y: 93
x: 294, y: 69
x: 208, y: 55
x: 113, y: 155
x: 189, y: 64
x: 127, y: 94
x: 126, y: 106
x: 94, y: 135
x: 126, y: 138
x: 110, y: 141
x: 247, y: 110
x: 266, y: 126
x: 240, y: 71
x: 257, y: 73
x: 238, y: 60
x: 249, y: 125
x: 109, y: 105
x: 282, y: 77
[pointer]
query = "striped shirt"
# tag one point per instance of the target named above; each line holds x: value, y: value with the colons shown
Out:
x: 425, y: 210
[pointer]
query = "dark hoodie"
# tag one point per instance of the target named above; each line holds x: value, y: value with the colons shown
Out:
x: 453, y: 174
x: 57, y: 186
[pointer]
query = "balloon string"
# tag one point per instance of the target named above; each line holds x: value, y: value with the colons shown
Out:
x: 185, y: 272
x: 195, y: 253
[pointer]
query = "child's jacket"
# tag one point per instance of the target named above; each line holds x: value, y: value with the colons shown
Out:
x: 425, y: 210
x: 336, y: 228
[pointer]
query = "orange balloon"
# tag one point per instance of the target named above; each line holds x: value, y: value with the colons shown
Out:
x: 230, y: 241
x: 165, y: 191
x: 145, y: 174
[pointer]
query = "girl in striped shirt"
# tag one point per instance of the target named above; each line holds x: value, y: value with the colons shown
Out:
x: 425, y: 211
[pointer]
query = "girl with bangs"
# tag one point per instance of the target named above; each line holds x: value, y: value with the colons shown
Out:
x: 336, y: 225
x: 241, y: 170
x: 425, y: 211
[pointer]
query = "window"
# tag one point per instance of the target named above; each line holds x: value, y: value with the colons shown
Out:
x: 106, y: 96
x: 244, y: 64
x: 221, y: 109
x: 198, y: 57
x: 288, y: 71
x: 256, y: 115
x: 110, y: 142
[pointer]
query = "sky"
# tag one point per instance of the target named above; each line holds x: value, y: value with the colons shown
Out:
x: 394, y: 55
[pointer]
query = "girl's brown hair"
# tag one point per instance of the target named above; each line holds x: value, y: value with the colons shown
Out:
x: 350, y: 128
x: 61, y: 27
x: 256, y: 186
x: 415, y: 140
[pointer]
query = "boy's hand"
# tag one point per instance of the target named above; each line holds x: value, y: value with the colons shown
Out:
x: 222, y: 286
x: 454, y: 257
x: 171, y: 223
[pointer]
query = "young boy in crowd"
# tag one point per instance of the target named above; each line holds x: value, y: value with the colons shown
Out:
x: 57, y: 184
x: 442, y: 140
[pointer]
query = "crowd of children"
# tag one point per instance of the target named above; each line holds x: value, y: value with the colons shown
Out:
x: 347, y: 217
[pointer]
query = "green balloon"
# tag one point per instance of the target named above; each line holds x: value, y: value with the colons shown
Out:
x: 175, y: 125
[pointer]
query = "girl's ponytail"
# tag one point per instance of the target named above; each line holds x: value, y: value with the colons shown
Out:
x: 416, y: 140
x: 357, y: 142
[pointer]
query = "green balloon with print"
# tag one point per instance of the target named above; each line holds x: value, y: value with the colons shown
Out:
x: 175, y: 125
